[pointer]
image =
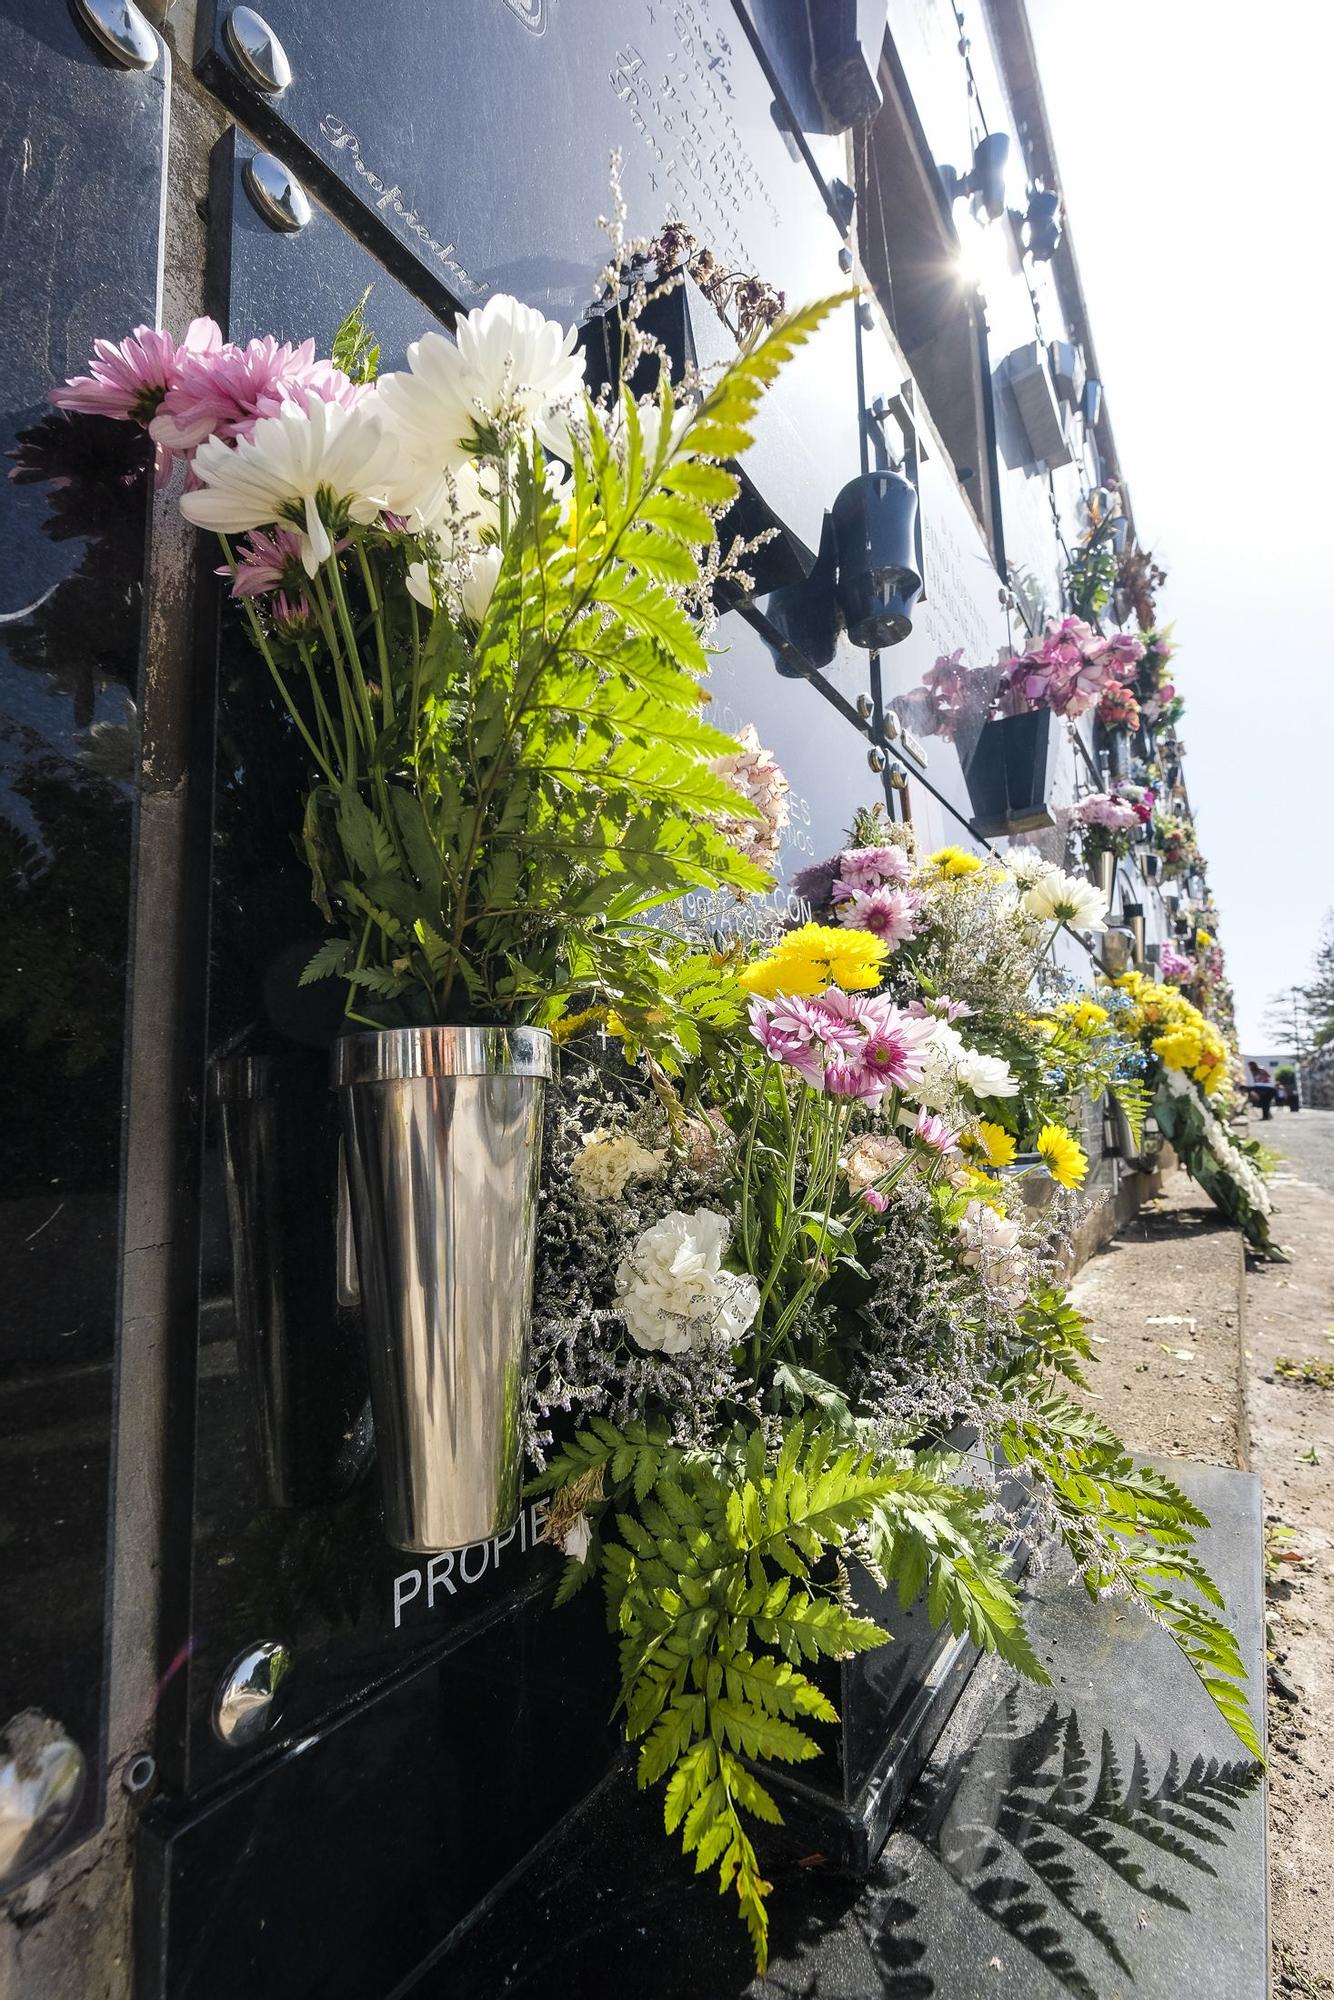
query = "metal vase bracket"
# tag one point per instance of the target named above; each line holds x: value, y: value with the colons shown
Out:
x: 443, y: 1131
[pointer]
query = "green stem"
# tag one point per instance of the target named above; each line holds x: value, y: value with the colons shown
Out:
x: 262, y: 644
x: 375, y: 599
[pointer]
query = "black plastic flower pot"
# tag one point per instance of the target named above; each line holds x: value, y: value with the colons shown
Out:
x: 1010, y: 773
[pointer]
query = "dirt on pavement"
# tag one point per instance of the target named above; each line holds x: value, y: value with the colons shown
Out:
x: 1290, y: 1317
x: 1190, y: 1347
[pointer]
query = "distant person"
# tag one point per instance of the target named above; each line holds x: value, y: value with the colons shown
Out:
x: 1286, y: 1079
x: 1262, y: 1089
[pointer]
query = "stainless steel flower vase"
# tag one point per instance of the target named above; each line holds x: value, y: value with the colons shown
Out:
x: 1102, y: 873
x: 443, y: 1131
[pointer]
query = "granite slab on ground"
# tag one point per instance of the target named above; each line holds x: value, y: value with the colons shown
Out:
x: 1100, y: 1838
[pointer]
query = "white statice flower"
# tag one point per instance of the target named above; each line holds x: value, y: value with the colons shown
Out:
x: 307, y: 468
x: 1026, y: 866
x: 985, y: 1076
x: 673, y: 1292
x: 755, y: 773
x: 610, y: 1161
x: 510, y: 371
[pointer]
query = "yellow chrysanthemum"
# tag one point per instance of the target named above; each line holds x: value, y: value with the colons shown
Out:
x: 1179, y: 1047
x: 1203, y: 940
x: 815, y: 956
x: 994, y: 1141
x: 1067, y: 1162
x: 956, y: 861
x: 1084, y: 1014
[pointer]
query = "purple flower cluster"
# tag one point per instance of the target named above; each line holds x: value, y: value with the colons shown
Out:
x: 1174, y: 965
x: 850, y: 1045
x: 1069, y: 670
x: 868, y: 893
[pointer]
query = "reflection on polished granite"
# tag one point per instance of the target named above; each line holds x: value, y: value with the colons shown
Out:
x: 1101, y: 1837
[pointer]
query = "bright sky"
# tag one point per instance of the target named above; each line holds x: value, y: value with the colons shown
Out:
x: 1193, y: 142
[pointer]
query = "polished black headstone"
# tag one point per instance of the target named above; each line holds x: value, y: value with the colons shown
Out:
x: 339, y: 1862
x: 1101, y: 1837
x: 478, y: 162
x: 80, y: 226
x: 279, y: 1534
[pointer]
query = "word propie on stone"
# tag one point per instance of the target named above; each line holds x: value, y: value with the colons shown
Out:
x: 453, y: 1568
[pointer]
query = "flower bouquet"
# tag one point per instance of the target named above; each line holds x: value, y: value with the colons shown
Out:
x: 479, y: 595
x: 783, y: 1266
x: 1001, y: 717
x: 1187, y: 1070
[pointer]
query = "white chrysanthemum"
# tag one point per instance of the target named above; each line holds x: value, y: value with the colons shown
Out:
x: 650, y: 425
x: 673, y: 1291
x: 1027, y: 866
x: 305, y: 468
x: 460, y: 505
x: 419, y: 584
x: 610, y: 1161
x: 511, y: 372
x: 576, y: 1540
x: 1066, y: 899
x: 985, y: 1076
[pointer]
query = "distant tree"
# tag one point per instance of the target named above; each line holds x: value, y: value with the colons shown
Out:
x: 1288, y: 1020
x: 1319, y: 991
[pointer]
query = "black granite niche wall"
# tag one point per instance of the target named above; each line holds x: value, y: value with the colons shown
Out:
x: 436, y: 1719
x: 73, y: 514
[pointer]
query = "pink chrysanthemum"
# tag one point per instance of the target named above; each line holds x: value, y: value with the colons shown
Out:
x: 225, y: 393
x: 129, y: 378
x: 934, y: 1133
x: 887, y: 913
x: 870, y: 868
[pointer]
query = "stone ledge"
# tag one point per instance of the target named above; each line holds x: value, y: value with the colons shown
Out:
x: 1100, y: 1837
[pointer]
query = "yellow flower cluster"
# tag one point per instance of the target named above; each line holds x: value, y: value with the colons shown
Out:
x: 1176, y: 1031
x: 1067, y: 1162
x: 954, y: 862
x: 815, y: 956
x: 1084, y: 1015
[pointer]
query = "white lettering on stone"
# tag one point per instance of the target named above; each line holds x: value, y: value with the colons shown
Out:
x: 341, y: 140
x: 444, y: 1574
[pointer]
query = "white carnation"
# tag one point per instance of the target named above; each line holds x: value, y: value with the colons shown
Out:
x: 609, y: 1161
x: 673, y: 1291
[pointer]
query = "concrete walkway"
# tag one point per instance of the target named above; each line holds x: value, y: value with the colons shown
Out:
x: 1189, y: 1340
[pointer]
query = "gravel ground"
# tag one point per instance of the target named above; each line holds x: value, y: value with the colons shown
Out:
x: 1290, y: 1316
x: 1189, y: 1347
